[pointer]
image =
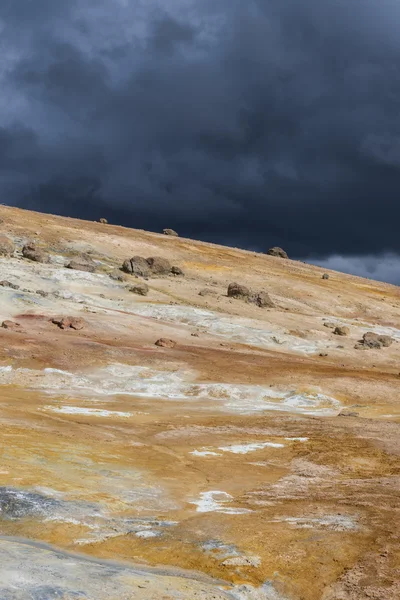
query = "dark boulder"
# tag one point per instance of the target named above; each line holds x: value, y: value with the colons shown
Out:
x: 159, y: 265
x: 82, y: 263
x: 236, y: 290
x: 261, y: 299
x: 31, y: 252
x: 141, y: 289
x: 373, y: 340
x: 276, y: 251
x: 341, y: 330
x: 137, y: 265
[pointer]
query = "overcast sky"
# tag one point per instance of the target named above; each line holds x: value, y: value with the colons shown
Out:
x: 250, y: 123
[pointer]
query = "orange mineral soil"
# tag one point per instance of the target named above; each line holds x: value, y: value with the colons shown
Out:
x: 256, y: 459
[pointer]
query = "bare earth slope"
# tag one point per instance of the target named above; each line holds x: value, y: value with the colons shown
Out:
x: 258, y: 458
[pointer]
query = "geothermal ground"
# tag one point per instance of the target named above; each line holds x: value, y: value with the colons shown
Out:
x: 257, y: 459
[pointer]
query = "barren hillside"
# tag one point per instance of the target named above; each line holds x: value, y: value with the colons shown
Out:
x: 252, y: 455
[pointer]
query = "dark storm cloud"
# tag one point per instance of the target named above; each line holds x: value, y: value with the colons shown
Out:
x: 250, y: 123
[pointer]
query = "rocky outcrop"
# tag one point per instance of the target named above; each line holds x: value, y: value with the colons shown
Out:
x: 117, y: 275
x: 31, y: 252
x: 165, y: 343
x: 261, y: 299
x: 137, y: 265
x: 141, y: 289
x: 276, y: 251
x: 159, y: 265
x: 241, y: 292
x: 145, y: 267
x: 9, y: 284
x: 170, y: 232
x: 69, y: 322
x: 341, y: 330
x: 82, y: 263
x: 6, y: 246
x: 373, y: 340
x: 236, y: 290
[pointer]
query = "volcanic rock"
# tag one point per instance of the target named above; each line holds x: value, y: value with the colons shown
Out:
x: 6, y: 246
x: 31, y: 252
x: 165, y: 343
x: 261, y: 299
x: 82, y: 263
x: 9, y: 284
x: 69, y: 322
x: 159, y: 265
x: 276, y: 251
x: 341, y: 330
x: 142, y: 289
x: 137, y: 265
x: 236, y: 290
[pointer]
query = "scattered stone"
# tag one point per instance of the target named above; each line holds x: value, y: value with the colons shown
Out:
x: 235, y: 290
x: 374, y: 341
x: 6, y: 246
x: 276, y: 251
x: 330, y: 325
x: 341, y: 330
x: 194, y: 334
x: 104, y: 221
x: 348, y: 413
x: 11, y: 325
x: 177, y: 271
x: 30, y: 252
x: 159, y: 265
x: 69, y: 322
x: 262, y: 300
x: 9, y: 284
x: 82, y: 263
x: 170, y: 232
x: 165, y: 343
x: 323, y: 354
x: 142, y: 289
x: 117, y: 275
x: 325, y: 276
x: 42, y: 293
x: 137, y: 265
x: 207, y: 292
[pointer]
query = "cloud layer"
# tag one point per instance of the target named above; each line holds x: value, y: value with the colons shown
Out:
x: 249, y: 123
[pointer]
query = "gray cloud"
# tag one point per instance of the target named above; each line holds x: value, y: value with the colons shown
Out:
x: 254, y: 123
x: 381, y: 268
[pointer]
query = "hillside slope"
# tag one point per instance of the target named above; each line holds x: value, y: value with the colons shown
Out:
x: 257, y: 457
